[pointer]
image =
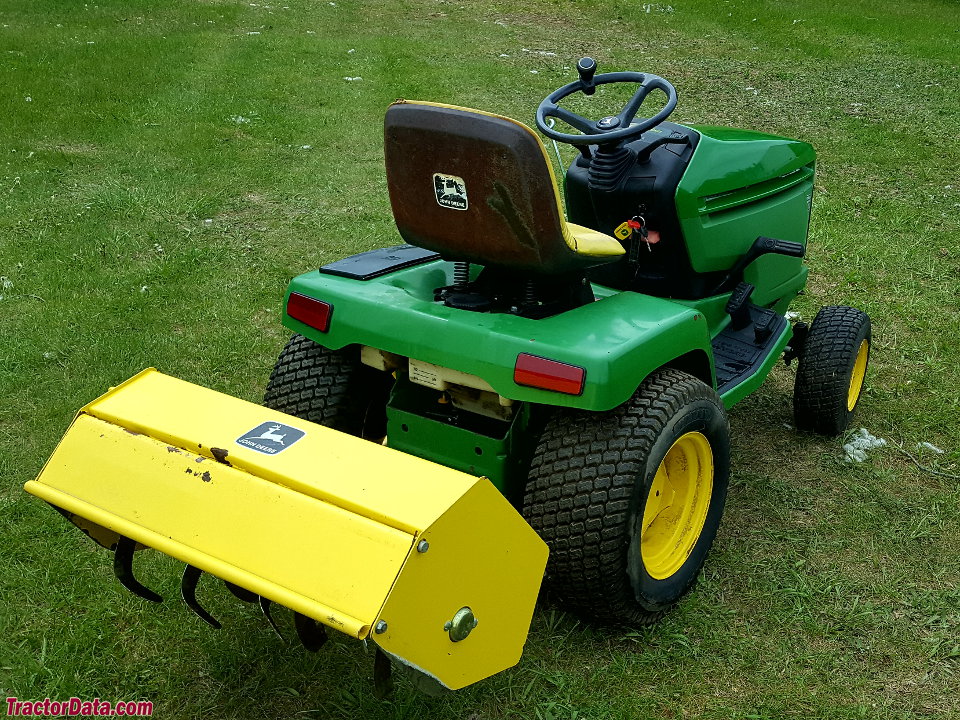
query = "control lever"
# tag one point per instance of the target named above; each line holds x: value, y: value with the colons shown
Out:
x: 587, y: 68
x: 761, y: 246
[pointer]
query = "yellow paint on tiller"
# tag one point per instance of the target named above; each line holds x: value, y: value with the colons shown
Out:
x: 364, y: 539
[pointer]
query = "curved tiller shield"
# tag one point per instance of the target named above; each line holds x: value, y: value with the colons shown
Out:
x: 431, y: 564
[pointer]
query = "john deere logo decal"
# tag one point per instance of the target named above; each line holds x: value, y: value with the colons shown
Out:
x: 451, y: 191
x: 270, y: 438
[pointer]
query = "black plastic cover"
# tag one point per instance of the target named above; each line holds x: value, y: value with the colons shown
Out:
x: 640, y: 178
x: 374, y: 263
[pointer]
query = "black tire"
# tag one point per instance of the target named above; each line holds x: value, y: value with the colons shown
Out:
x: 590, y: 482
x: 831, y: 370
x: 329, y: 387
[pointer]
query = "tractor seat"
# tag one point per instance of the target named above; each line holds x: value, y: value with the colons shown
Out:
x: 478, y: 187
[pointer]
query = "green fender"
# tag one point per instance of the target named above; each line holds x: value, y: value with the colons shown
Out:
x: 619, y: 340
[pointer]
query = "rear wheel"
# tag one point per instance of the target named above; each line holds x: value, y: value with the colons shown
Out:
x: 630, y: 500
x: 329, y: 387
x: 831, y: 370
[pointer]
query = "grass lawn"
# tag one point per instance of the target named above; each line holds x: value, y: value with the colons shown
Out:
x: 167, y: 167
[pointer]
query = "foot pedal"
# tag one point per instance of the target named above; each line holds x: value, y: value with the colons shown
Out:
x: 737, y: 305
x: 763, y: 328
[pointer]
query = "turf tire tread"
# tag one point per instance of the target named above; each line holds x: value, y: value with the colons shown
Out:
x: 823, y: 371
x: 580, y: 488
x: 317, y: 384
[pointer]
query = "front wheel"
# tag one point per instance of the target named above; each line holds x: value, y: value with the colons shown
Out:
x: 831, y: 370
x: 630, y: 500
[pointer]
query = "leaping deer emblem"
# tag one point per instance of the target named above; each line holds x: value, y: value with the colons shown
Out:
x: 272, y: 435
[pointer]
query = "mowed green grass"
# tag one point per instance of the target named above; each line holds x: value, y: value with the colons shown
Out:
x: 167, y: 167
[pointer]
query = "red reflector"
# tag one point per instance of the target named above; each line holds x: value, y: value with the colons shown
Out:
x: 539, y: 372
x: 314, y: 313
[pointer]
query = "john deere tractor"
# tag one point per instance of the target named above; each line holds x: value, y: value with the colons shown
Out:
x: 515, y: 381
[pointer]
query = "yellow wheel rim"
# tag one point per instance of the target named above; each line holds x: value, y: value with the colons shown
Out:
x: 677, y: 505
x: 856, y: 378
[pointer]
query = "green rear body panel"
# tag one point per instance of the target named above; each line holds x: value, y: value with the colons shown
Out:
x: 618, y: 340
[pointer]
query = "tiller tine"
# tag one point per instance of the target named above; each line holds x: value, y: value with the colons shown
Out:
x: 382, y: 675
x: 265, y: 604
x: 371, y: 542
x: 312, y: 636
x: 188, y: 589
x: 123, y: 569
x: 241, y: 593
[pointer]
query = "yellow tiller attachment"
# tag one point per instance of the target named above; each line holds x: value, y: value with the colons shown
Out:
x: 432, y: 564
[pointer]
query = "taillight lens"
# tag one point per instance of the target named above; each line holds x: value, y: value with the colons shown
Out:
x: 309, y: 311
x: 546, y: 374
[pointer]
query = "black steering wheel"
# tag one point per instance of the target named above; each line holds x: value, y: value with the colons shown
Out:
x: 612, y: 128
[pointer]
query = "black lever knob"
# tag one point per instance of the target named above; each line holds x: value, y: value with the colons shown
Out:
x: 587, y: 68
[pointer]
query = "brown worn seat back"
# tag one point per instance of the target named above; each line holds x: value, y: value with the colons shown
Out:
x: 477, y: 187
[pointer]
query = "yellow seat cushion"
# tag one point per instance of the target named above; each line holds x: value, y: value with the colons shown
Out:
x: 589, y: 242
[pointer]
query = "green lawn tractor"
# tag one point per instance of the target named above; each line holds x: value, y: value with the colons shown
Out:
x: 506, y: 382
